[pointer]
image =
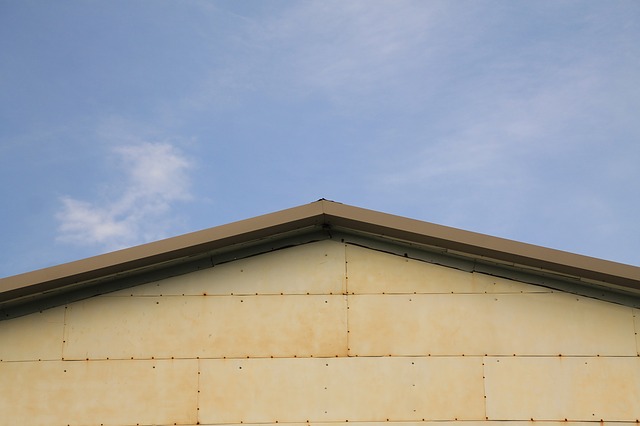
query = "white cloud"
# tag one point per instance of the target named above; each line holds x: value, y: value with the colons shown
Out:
x: 155, y: 177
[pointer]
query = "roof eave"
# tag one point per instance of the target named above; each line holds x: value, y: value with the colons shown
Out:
x: 158, y: 252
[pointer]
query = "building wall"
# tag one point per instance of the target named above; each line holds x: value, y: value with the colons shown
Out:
x: 324, y: 333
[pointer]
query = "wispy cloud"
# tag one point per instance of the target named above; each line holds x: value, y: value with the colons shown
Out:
x: 155, y: 177
x: 342, y: 52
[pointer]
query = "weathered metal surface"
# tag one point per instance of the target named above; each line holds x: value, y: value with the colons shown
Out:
x: 636, y: 321
x: 340, y: 389
x: 448, y: 423
x: 374, y: 272
x: 32, y: 337
x: 98, y: 392
x: 558, y: 388
x: 506, y: 324
x: 315, y: 268
x: 206, y: 326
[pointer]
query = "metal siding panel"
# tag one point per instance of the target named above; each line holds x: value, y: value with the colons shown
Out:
x: 443, y: 423
x: 98, y: 392
x: 206, y: 326
x: 32, y: 337
x: 314, y: 268
x: 340, y: 389
x: 456, y: 324
x: 558, y: 388
x: 373, y: 272
x: 636, y: 324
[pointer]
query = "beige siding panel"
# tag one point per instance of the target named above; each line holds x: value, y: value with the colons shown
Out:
x: 439, y: 423
x: 477, y: 324
x: 314, y: 268
x: 636, y: 321
x: 340, y: 389
x: 98, y: 392
x: 206, y: 326
x: 491, y: 284
x: 32, y: 337
x: 373, y: 272
x: 556, y: 388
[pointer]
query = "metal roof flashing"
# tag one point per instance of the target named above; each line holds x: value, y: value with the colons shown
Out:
x: 322, y: 219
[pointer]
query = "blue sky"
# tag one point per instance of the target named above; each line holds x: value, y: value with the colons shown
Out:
x: 123, y: 122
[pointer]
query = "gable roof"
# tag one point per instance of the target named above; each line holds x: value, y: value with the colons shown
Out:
x: 320, y: 219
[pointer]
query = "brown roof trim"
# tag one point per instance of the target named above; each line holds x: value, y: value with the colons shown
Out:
x: 318, y: 214
x: 484, y: 246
